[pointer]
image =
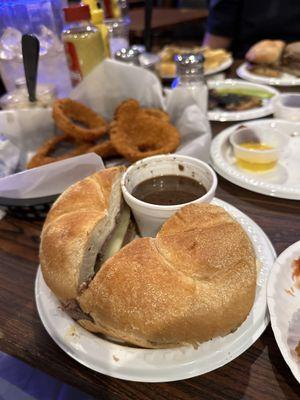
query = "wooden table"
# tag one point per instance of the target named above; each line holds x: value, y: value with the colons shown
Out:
x: 164, y: 18
x: 260, y: 373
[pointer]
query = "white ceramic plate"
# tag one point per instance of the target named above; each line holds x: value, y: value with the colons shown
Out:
x: 284, y: 80
x: 284, y: 306
x: 130, y: 363
x: 258, y: 112
x: 282, y: 182
x: 222, y: 67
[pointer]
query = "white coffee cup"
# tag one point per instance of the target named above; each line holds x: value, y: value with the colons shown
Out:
x: 150, y: 217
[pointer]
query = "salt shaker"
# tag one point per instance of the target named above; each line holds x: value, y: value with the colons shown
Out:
x: 129, y: 56
x: 190, y: 76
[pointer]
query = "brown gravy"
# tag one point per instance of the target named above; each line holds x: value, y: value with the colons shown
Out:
x: 169, y: 190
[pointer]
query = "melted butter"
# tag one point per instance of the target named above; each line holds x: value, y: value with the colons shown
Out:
x: 252, y: 165
x: 256, y: 146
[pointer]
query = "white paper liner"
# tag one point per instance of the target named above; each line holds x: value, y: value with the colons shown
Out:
x: 49, y: 179
x: 9, y: 156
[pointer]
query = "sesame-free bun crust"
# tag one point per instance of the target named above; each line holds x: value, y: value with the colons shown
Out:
x: 76, y: 226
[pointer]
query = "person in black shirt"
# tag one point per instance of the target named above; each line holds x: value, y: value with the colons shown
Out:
x: 238, y: 24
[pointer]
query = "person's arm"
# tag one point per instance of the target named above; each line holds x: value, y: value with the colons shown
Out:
x: 216, y: 42
x: 222, y: 22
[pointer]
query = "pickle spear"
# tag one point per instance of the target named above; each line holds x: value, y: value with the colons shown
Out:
x: 243, y: 91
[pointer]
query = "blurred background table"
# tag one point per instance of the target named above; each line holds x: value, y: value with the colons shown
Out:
x: 165, y: 18
x: 258, y: 374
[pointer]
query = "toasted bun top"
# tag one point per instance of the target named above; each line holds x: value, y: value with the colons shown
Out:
x: 75, y: 228
x: 194, y: 281
x: 266, y: 52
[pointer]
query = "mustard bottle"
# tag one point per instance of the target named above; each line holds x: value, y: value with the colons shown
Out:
x: 93, y: 4
x: 97, y: 17
x: 98, y: 21
x: 83, y: 42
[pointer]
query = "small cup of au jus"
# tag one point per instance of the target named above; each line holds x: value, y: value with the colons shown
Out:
x: 156, y: 187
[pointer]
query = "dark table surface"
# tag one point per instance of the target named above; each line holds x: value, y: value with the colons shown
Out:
x: 260, y: 373
x: 165, y: 18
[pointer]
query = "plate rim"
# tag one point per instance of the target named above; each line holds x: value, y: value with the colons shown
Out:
x: 240, y: 71
x: 271, y: 306
x: 228, y: 116
x: 258, y: 327
x: 216, y: 144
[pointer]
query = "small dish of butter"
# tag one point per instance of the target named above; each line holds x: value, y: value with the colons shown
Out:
x: 257, y: 151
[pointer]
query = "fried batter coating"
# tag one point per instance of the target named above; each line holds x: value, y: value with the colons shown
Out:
x: 155, y: 112
x: 78, y: 121
x: 104, y: 149
x: 43, y: 154
x: 136, y: 134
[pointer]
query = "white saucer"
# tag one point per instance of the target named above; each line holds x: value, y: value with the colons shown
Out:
x: 222, y: 67
x: 135, y: 364
x: 284, y: 80
x: 282, y: 182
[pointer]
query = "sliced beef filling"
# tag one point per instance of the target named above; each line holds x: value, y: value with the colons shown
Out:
x: 73, y: 309
x: 125, y: 231
x: 131, y: 233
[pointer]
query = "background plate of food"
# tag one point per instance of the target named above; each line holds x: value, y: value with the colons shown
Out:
x: 272, y: 170
x: 284, y: 79
x: 283, y: 294
x: 215, y: 60
x: 117, y: 359
x: 272, y: 62
x: 236, y: 100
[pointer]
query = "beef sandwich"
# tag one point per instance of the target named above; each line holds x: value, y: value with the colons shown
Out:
x: 265, y: 58
x: 291, y: 59
x: 194, y: 281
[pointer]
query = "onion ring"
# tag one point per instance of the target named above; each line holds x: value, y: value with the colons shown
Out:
x: 42, y: 156
x: 136, y: 135
x: 78, y: 121
x: 104, y: 149
x: 156, y: 113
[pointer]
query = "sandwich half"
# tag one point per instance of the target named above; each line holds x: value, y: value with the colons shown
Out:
x: 265, y: 58
x: 291, y: 59
x: 86, y: 225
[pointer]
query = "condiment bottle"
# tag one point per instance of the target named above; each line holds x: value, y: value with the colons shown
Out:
x: 190, y: 76
x: 97, y: 16
x: 112, y: 9
x: 83, y: 42
x: 98, y: 21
